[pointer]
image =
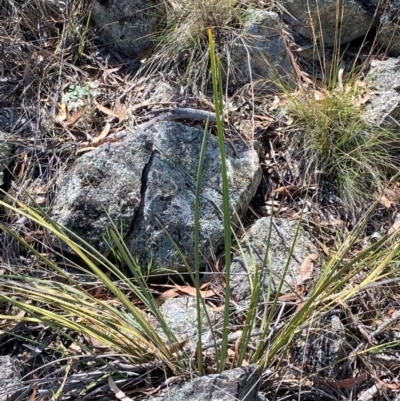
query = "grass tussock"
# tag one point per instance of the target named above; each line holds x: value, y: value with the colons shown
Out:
x: 336, y: 143
x: 182, y: 40
x: 69, y: 305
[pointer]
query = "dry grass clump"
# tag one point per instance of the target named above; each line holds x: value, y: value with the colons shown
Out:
x: 182, y: 40
x: 336, y: 143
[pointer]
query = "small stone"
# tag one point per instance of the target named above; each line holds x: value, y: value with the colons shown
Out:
x: 236, y: 384
x: 252, y: 251
x: 10, y: 380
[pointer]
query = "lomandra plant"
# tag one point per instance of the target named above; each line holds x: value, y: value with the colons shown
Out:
x: 71, y: 307
x: 343, y: 277
x: 218, y: 102
x: 222, y: 351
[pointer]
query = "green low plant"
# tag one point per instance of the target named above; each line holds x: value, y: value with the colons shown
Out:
x: 119, y: 325
x: 78, y: 96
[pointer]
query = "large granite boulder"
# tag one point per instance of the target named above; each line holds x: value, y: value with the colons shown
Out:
x: 144, y: 187
x: 338, y: 22
x: 127, y: 24
x: 389, y: 28
x: 259, y: 53
x: 324, y: 20
x: 383, y: 80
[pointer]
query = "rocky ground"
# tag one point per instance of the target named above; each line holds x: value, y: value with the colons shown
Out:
x: 107, y: 136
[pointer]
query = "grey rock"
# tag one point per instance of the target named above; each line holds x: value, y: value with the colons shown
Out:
x: 168, y: 202
x: 163, y: 92
x: 236, y: 384
x: 251, y: 253
x: 384, y: 81
x: 10, y: 380
x: 145, y: 184
x: 181, y: 316
x: 319, y: 19
x: 102, y: 189
x: 262, y: 47
x: 389, y: 28
x: 128, y: 24
x: 322, y: 347
x: 8, y: 119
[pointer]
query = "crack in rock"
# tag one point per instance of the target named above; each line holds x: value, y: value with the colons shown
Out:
x: 144, y: 185
x: 143, y: 188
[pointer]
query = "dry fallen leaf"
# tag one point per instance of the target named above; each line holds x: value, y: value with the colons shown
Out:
x: 105, y: 110
x: 166, y: 295
x: 362, y: 100
x: 175, y: 349
x: 21, y: 165
x: 85, y: 149
x: 392, y: 386
x: 104, y: 132
x: 73, y: 119
x: 237, y: 344
x: 34, y: 236
x: 183, y: 290
x: 187, y: 290
x: 109, y: 71
x: 292, y: 297
x: 118, y: 393
x: 346, y: 384
x: 218, y: 308
x: 383, y: 200
x: 284, y: 191
x: 120, y: 110
x: 32, y: 397
x: 394, y: 227
x: 307, y: 267
x: 62, y: 112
